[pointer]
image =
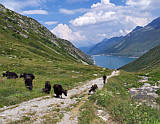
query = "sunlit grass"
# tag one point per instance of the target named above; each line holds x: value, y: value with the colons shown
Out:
x: 115, y: 98
x: 67, y: 74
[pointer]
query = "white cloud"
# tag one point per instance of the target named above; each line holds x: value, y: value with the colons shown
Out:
x: 102, y: 3
x: 105, y: 19
x: 64, y: 32
x: 18, y: 5
x: 32, y: 12
x: 105, y: 11
x: 71, y: 12
x: 93, y: 18
x: 102, y: 35
x: 51, y: 22
x: 102, y: 20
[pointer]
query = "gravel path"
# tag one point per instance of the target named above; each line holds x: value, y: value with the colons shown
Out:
x: 37, y: 108
x: 72, y: 117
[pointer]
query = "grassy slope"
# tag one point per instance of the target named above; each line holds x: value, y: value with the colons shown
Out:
x: 20, y: 57
x: 25, y: 37
x: 42, y: 53
x: 149, y: 61
x: 115, y: 99
x: 65, y: 73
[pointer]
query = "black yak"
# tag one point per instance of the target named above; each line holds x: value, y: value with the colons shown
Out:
x: 93, y: 88
x: 24, y: 75
x: 58, y: 90
x: 28, y: 82
x: 28, y: 78
x: 10, y: 75
x: 47, y: 88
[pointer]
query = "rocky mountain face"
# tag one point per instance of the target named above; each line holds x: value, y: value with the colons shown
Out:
x: 23, y: 37
x: 136, y: 43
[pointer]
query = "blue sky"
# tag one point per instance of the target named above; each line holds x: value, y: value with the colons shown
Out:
x: 86, y: 22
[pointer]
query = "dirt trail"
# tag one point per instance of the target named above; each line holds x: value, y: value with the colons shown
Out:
x: 37, y: 108
x: 72, y: 117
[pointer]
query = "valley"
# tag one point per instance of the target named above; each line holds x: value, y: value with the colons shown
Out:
x: 131, y: 94
x: 136, y: 43
x: 112, y: 62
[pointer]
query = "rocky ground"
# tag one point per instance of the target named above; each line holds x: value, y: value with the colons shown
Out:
x: 42, y: 109
x: 146, y: 93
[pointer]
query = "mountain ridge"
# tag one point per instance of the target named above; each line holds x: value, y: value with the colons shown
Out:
x: 100, y: 47
x: 32, y: 35
x: 137, y: 42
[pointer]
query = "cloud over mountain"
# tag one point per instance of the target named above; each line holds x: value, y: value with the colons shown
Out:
x: 63, y: 31
x: 113, y: 20
x: 93, y: 20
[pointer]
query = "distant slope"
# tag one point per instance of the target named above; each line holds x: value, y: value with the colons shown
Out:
x: 24, y: 37
x: 86, y: 48
x: 101, y: 47
x: 136, y: 43
x: 137, y: 28
x: 148, y: 61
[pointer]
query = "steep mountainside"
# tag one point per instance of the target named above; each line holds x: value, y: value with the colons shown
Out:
x: 101, y: 47
x: 137, y: 42
x: 148, y: 61
x: 24, y: 37
x: 28, y: 47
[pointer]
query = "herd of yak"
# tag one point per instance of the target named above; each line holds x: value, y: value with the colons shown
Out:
x: 58, y: 90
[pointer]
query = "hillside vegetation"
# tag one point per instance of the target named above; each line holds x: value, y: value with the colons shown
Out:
x: 24, y: 37
x: 115, y: 99
x: 148, y: 62
x: 27, y: 46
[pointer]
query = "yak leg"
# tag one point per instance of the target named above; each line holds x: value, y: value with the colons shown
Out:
x: 57, y: 95
x: 47, y: 91
x: 30, y: 87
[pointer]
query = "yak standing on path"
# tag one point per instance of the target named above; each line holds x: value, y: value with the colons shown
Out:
x: 93, y: 88
x: 28, y: 80
x: 104, y: 79
x: 58, y: 90
x: 47, y: 88
x: 10, y: 75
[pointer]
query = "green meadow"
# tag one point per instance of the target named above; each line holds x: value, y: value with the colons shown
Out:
x: 115, y: 99
x: 69, y: 75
